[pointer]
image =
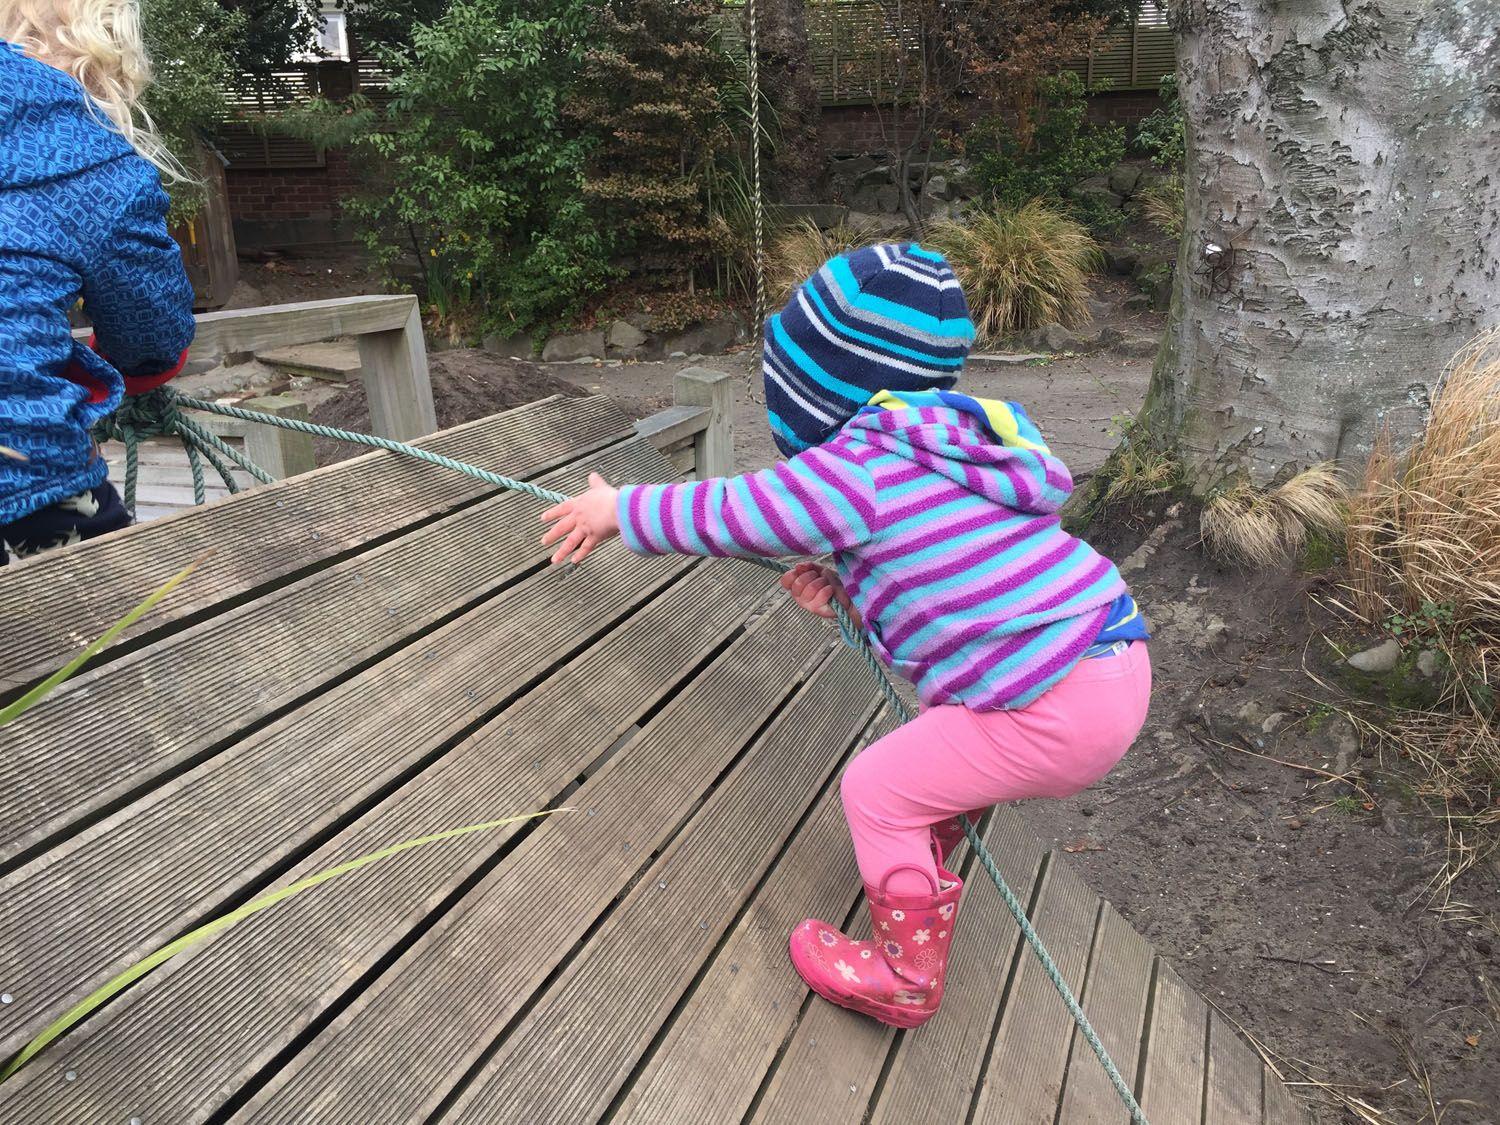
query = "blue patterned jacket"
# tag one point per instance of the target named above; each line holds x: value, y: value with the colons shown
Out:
x: 81, y: 215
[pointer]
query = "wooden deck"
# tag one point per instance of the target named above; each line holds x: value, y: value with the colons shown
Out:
x: 377, y: 651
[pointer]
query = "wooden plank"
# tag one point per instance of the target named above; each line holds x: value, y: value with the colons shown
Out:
x: 253, y: 330
x: 261, y: 537
x: 829, y: 1068
x: 610, y: 1000
x: 1233, y: 1079
x: 397, y: 384
x: 1279, y: 1107
x: 442, y: 1005
x: 676, y: 424
x: 1024, y: 1078
x: 136, y: 878
x: 934, y: 1071
x: 746, y: 1002
x: 1114, y: 999
x: 1172, y: 1085
x: 111, y: 732
x: 304, y: 956
x: 700, y: 386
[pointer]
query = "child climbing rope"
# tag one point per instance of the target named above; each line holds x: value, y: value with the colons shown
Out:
x: 82, y: 215
x: 939, y: 509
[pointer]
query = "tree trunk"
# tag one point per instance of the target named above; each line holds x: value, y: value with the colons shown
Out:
x: 789, y: 85
x: 1345, y: 155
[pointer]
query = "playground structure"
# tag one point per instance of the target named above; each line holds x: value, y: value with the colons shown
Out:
x: 375, y: 651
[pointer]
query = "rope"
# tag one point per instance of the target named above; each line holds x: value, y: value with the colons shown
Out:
x: 156, y: 414
x: 757, y: 201
x: 168, y: 414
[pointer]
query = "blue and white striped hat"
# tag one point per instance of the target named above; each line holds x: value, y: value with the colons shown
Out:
x: 882, y: 318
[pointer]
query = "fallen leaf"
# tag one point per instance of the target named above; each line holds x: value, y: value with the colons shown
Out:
x: 1472, y: 1040
x: 1083, y: 844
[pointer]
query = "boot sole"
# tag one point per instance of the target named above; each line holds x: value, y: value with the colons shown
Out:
x: 888, y: 1014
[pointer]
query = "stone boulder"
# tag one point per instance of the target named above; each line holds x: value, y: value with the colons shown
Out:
x: 1123, y: 179
x: 825, y: 216
x: 574, y: 346
x: 1095, y: 191
x: 880, y: 226
x: 1121, y: 260
x: 711, y: 337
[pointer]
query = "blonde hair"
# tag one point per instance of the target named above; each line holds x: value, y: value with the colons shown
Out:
x: 98, y: 43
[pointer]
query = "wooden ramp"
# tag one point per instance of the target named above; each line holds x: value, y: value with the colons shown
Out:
x: 377, y: 651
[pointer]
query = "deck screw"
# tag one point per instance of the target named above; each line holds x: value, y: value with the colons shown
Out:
x: 661, y: 886
x: 703, y: 925
x: 6, y: 998
x: 70, y: 1075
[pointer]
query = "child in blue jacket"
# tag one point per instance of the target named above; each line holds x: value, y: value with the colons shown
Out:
x: 82, y: 215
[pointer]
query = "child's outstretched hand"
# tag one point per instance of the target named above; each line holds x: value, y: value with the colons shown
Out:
x: 583, y: 522
x: 814, y: 587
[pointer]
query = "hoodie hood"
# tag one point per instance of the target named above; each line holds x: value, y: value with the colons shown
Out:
x: 990, y: 447
x: 51, y: 127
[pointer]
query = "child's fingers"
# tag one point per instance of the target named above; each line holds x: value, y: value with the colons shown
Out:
x: 574, y: 540
x: 564, y: 526
x: 596, y: 481
x: 585, y: 549
x: 556, y: 512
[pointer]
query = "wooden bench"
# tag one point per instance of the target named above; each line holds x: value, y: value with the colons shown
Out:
x: 377, y: 651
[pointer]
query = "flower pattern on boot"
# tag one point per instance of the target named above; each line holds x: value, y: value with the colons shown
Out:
x: 897, y: 979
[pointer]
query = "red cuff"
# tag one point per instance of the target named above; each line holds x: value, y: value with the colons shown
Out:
x: 140, y: 384
x: 75, y: 372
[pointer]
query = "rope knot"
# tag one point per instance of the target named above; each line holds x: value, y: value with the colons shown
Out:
x: 141, y: 417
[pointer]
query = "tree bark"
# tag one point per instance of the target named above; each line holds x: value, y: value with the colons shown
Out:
x: 790, y: 87
x: 1346, y: 158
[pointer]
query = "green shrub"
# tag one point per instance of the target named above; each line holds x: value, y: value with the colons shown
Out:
x: 1021, y: 267
x: 1162, y: 136
x: 471, y: 171
x: 1061, y: 149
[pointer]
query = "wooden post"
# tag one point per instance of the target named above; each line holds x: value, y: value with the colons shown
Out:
x: 282, y: 453
x: 396, y: 380
x: 714, y: 447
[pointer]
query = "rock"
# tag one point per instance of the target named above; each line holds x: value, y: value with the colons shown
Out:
x: 1431, y: 663
x: 825, y: 216
x: 574, y: 346
x: 1150, y: 264
x: 875, y: 177
x: 938, y: 212
x: 862, y: 199
x: 1148, y: 179
x: 879, y: 226
x: 1252, y: 713
x: 1136, y: 302
x: 1160, y: 292
x: 1050, y: 338
x: 712, y: 337
x: 514, y: 347
x: 1106, y: 337
x: 1274, y: 722
x: 1379, y: 660
x: 962, y: 182
x: 1121, y: 260
x: 853, y: 167
x: 1215, y: 633
x: 1138, y: 347
x: 1096, y: 192
x: 888, y: 199
x: 1123, y: 179
x: 625, y: 336
x: 937, y: 188
x: 1346, y: 745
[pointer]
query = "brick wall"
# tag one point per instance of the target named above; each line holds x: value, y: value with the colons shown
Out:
x: 287, y: 207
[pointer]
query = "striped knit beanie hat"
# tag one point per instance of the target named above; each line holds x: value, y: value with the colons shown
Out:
x: 882, y: 318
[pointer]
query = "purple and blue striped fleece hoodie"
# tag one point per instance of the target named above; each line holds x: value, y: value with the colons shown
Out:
x: 946, y: 539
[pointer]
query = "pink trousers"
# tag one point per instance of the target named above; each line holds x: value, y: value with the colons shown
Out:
x: 950, y: 760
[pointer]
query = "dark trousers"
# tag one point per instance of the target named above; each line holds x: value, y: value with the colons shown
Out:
x: 89, y: 514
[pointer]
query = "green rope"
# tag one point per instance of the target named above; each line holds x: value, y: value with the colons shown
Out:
x: 162, y: 415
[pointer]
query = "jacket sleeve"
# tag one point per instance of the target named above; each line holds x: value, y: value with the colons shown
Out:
x: 820, y: 501
x: 137, y: 294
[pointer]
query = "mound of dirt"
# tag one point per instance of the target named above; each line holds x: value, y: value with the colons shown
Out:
x: 466, y: 384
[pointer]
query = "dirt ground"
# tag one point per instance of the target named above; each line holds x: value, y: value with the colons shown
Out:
x: 466, y: 384
x: 1298, y: 905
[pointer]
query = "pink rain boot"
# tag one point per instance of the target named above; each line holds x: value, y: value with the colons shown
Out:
x: 898, y: 977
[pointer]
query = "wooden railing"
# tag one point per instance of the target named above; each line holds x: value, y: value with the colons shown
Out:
x: 696, y: 433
